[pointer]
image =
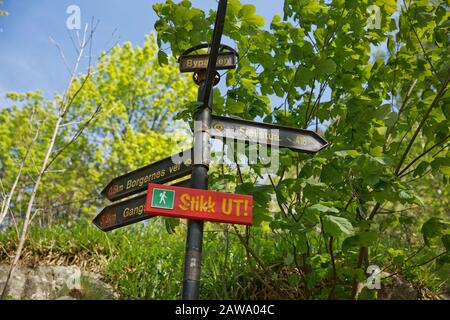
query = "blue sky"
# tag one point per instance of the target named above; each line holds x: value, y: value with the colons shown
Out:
x: 30, y: 61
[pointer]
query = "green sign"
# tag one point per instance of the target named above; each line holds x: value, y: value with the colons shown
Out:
x: 163, y: 198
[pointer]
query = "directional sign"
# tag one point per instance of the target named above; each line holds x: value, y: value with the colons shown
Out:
x: 136, y: 181
x: 185, y: 183
x: 265, y: 133
x: 195, y: 63
x: 197, y: 204
x: 127, y: 212
x: 121, y: 214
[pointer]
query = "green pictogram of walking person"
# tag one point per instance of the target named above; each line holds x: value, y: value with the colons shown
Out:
x: 162, y: 198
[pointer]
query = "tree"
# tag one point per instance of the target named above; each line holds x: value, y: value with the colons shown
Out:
x: 2, y: 12
x: 133, y: 126
x: 131, y: 98
x: 381, y: 98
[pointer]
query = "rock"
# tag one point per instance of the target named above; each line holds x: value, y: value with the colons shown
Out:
x: 397, y: 289
x: 17, y: 283
x: 445, y: 296
x: 55, y: 282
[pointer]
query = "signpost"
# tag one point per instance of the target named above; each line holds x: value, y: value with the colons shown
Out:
x: 136, y: 181
x: 198, y: 204
x: 205, y: 80
x: 255, y: 132
x: 190, y: 198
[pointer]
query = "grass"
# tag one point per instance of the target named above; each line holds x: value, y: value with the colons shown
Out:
x: 144, y: 261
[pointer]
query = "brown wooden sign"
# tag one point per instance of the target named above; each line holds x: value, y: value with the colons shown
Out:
x: 195, y: 63
x: 121, y: 214
x: 265, y: 133
x: 185, y: 183
x: 127, y: 212
x: 136, y: 181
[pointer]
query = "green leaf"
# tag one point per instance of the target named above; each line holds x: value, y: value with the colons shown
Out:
x: 336, y: 226
x: 421, y: 168
x: 310, y: 9
x: 389, y: 221
x: 171, y: 224
x: 295, y: 53
x: 446, y: 110
x: 405, y: 195
x: 442, y: 164
x: 445, y: 170
x: 260, y: 215
x: 235, y: 107
x: 434, y: 227
x: 389, y: 5
x: 445, y: 259
x: 247, y: 14
x: 325, y: 67
x: 162, y: 58
x: 446, y: 241
x: 303, y: 77
x: 321, y: 208
x: 359, y: 240
x: 348, y: 153
x: 314, y: 212
x: 247, y: 10
x: 218, y: 101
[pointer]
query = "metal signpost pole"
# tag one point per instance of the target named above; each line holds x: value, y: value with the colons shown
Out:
x: 192, y: 259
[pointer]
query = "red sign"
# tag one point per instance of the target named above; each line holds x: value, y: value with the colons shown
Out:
x: 197, y: 204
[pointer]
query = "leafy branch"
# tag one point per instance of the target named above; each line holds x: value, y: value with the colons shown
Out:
x: 433, y: 104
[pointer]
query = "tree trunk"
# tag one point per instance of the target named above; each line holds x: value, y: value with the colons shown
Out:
x: 26, y: 222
